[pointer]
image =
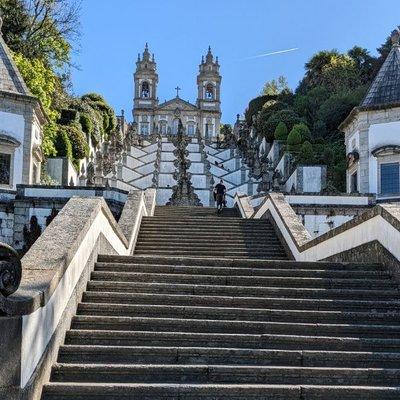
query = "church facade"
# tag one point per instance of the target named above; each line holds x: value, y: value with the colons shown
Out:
x: 202, y: 117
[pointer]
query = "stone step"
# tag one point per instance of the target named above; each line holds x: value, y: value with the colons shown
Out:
x: 246, y: 302
x: 275, y: 281
x: 110, y: 391
x: 239, y: 271
x: 222, y: 226
x: 163, y: 391
x: 214, y: 253
x: 156, y: 237
x: 239, y: 314
x: 185, y: 230
x: 251, y: 291
x: 278, y: 375
x: 223, y: 262
x: 231, y: 356
x: 307, y: 341
x: 229, y: 326
x: 207, y: 236
x: 226, y: 248
x: 202, y: 222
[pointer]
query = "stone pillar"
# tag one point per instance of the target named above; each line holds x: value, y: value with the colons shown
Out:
x: 237, y: 162
x: 242, y: 174
x: 363, y: 183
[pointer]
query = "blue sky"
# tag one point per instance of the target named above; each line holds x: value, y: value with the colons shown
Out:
x: 179, y: 32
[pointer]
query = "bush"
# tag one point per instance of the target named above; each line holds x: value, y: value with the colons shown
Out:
x: 294, y: 139
x: 306, y: 154
x: 86, y: 123
x: 63, y: 144
x: 287, y: 116
x: 281, y: 131
x: 80, y: 147
x: 304, y: 131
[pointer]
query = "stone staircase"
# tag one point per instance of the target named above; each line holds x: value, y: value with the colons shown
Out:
x: 182, y: 319
x: 200, y: 232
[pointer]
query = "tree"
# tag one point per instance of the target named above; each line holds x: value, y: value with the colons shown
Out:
x: 225, y: 129
x: 255, y: 106
x: 289, y: 117
x: 41, y: 29
x: 365, y: 63
x: 275, y: 86
x: 281, y: 131
x: 335, y: 109
x: 294, y: 139
x: 303, y: 130
x: 306, y: 154
x: 332, y: 70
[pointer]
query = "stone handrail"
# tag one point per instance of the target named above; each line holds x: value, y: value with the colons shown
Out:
x: 10, y: 270
x: 243, y: 204
x: 54, y: 274
x: 380, y: 224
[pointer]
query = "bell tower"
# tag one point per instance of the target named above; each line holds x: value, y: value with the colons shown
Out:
x: 146, y: 80
x: 209, y: 94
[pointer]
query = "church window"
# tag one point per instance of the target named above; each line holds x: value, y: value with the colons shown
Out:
x: 5, y: 169
x: 163, y: 127
x: 390, y: 182
x: 175, y: 126
x: 145, y: 92
x: 190, y: 129
x: 210, y: 92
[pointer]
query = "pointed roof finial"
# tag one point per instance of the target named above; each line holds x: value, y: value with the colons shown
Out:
x: 202, y: 59
x: 395, y: 37
x: 138, y: 56
x: 152, y: 57
x: 209, y: 56
x: 146, y: 54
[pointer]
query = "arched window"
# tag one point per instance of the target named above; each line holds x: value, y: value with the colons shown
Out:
x: 163, y: 127
x: 190, y: 129
x: 209, y: 92
x: 175, y: 126
x: 145, y: 92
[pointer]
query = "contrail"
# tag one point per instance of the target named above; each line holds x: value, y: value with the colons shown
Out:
x: 271, y: 54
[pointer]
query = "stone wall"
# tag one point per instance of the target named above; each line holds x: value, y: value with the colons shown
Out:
x: 44, y: 202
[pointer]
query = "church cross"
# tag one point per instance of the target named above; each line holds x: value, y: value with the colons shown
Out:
x: 177, y: 91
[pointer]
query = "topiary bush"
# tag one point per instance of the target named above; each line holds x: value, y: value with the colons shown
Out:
x: 288, y: 117
x: 306, y: 154
x: 63, y: 144
x: 80, y: 147
x: 304, y: 131
x: 86, y: 123
x: 281, y: 131
x: 294, y: 140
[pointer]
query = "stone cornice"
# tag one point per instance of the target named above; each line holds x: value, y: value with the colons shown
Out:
x: 29, y: 100
x: 359, y: 109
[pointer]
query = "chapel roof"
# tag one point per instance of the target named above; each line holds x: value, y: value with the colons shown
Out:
x: 10, y: 78
x: 385, y: 88
x: 177, y: 101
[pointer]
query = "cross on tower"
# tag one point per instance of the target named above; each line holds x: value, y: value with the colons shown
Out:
x: 177, y: 91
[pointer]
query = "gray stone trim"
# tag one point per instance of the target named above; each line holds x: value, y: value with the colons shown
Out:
x: 302, y: 239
